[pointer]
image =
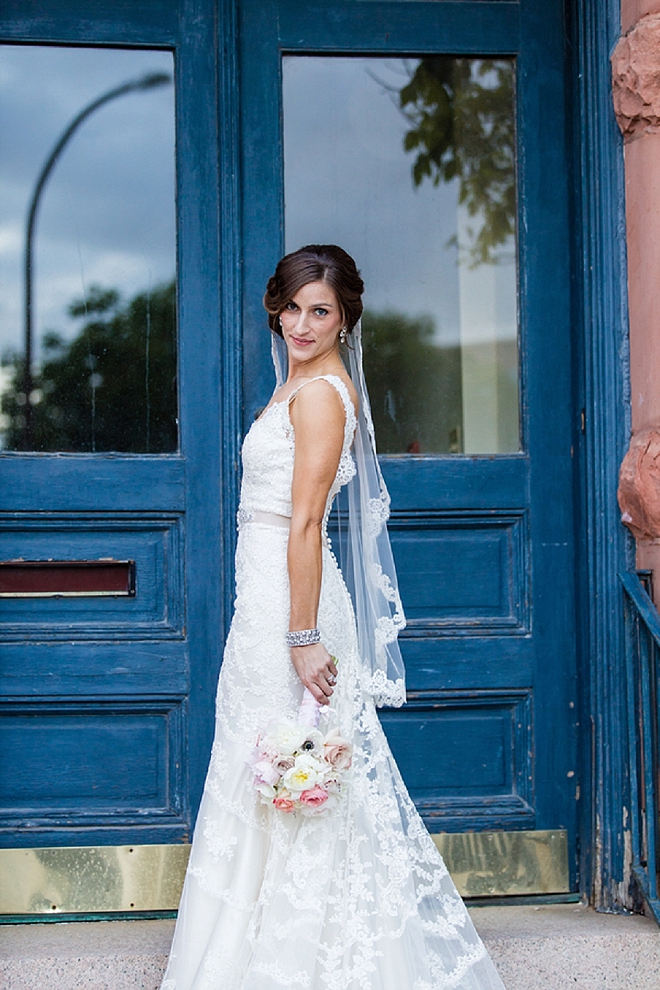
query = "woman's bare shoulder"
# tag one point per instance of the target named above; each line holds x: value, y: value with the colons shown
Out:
x: 321, y: 394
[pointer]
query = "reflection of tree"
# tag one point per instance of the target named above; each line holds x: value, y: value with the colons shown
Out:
x: 112, y: 387
x: 414, y: 385
x: 461, y: 112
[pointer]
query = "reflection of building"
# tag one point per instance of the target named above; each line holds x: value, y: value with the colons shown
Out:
x: 529, y: 726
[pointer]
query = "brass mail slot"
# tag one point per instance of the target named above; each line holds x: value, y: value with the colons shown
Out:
x: 67, y: 578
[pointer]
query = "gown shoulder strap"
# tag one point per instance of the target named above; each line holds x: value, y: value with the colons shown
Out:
x: 349, y: 408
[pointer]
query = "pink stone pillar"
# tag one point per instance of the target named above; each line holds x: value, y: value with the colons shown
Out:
x: 636, y: 93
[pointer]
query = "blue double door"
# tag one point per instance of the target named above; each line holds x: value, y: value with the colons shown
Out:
x: 108, y: 706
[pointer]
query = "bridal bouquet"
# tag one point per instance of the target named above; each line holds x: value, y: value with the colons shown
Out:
x: 298, y: 768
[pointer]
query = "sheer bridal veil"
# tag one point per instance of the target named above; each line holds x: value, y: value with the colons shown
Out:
x: 365, y: 554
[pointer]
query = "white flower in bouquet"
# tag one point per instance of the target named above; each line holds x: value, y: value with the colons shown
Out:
x: 290, y: 738
x: 303, y: 775
x: 267, y: 791
x: 313, y: 742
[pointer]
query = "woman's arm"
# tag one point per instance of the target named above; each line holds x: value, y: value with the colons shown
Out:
x: 317, y: 415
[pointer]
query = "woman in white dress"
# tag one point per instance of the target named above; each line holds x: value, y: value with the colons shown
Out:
x: 356, y: 896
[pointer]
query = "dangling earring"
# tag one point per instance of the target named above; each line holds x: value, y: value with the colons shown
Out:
x: 343, y: 334
x: 279, y: 320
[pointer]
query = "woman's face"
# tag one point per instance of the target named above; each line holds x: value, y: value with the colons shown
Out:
x: 311, y: 322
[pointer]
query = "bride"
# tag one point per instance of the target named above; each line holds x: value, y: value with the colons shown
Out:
x: 351, y: 894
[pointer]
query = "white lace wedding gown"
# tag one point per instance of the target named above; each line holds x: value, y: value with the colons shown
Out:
x: 358, y: 898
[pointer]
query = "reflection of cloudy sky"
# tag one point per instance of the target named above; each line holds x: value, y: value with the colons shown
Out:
x: 348, y: 181
x: 107, y: 212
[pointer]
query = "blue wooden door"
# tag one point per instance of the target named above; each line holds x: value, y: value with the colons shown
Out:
x: 106, y: 718
x: 482, y: 534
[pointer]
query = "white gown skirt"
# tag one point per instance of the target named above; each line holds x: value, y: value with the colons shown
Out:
x: 357, y: 898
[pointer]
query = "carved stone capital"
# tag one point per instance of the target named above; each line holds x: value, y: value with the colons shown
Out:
x: 636, y: 79
x: 639, y: 485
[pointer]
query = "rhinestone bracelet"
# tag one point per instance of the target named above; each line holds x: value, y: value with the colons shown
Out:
x: 303, y: 637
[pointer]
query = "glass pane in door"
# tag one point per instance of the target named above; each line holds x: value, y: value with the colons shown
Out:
x: 409, y: 164
x: 87, y: 250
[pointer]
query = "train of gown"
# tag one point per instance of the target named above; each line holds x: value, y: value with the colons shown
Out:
x: 356, y: 898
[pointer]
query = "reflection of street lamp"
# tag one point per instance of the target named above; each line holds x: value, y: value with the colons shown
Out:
x: 148, y: 81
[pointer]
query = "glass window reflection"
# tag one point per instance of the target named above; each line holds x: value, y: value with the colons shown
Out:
x: 87, y: 250
x: 410, y: 165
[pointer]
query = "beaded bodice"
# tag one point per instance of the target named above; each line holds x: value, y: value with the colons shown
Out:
x: 268, y: 455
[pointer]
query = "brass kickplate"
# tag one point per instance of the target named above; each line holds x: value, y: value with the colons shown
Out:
x: 503, y: 864
x: 107, y: 879
x: 92, y: 879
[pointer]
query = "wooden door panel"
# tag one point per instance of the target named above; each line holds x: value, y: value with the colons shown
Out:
x: 154, y: 544
x: 110, y: 764
x: 463, y: 573
x: 466, y: 757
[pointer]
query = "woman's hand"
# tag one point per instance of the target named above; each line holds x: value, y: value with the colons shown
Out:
x: 316, y: 669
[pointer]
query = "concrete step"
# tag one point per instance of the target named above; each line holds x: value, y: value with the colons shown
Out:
x: 546, y: 948
x: 568, y: 945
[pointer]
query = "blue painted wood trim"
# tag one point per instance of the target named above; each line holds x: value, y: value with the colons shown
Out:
x: 451, y: 661
x: 454, y: 483
x: 231, y: 318
x: 161, y: 807
x: 89, y: 22
x: 262, y: 214
x: 115, y: 833
x: 154, y: 541
x: 471, y: 28
x: 634, y: 644
x: 601, y: 311
x: 547, y: 407
x: 198, y: 183
x: 653, y: 903
x: 48, y: 670
x: 92, y: 482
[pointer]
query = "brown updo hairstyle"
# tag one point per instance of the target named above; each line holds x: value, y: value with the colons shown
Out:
x: 315, y: 263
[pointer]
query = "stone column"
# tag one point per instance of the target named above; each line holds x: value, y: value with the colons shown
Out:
x: 636, y: 92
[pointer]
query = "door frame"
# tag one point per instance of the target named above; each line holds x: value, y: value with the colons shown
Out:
x: 604, y: 545
x: 600, y: 352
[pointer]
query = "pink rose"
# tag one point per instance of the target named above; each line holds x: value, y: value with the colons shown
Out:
x: 337, y: 751
x: 314, y: 797
x: 283, y: 802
